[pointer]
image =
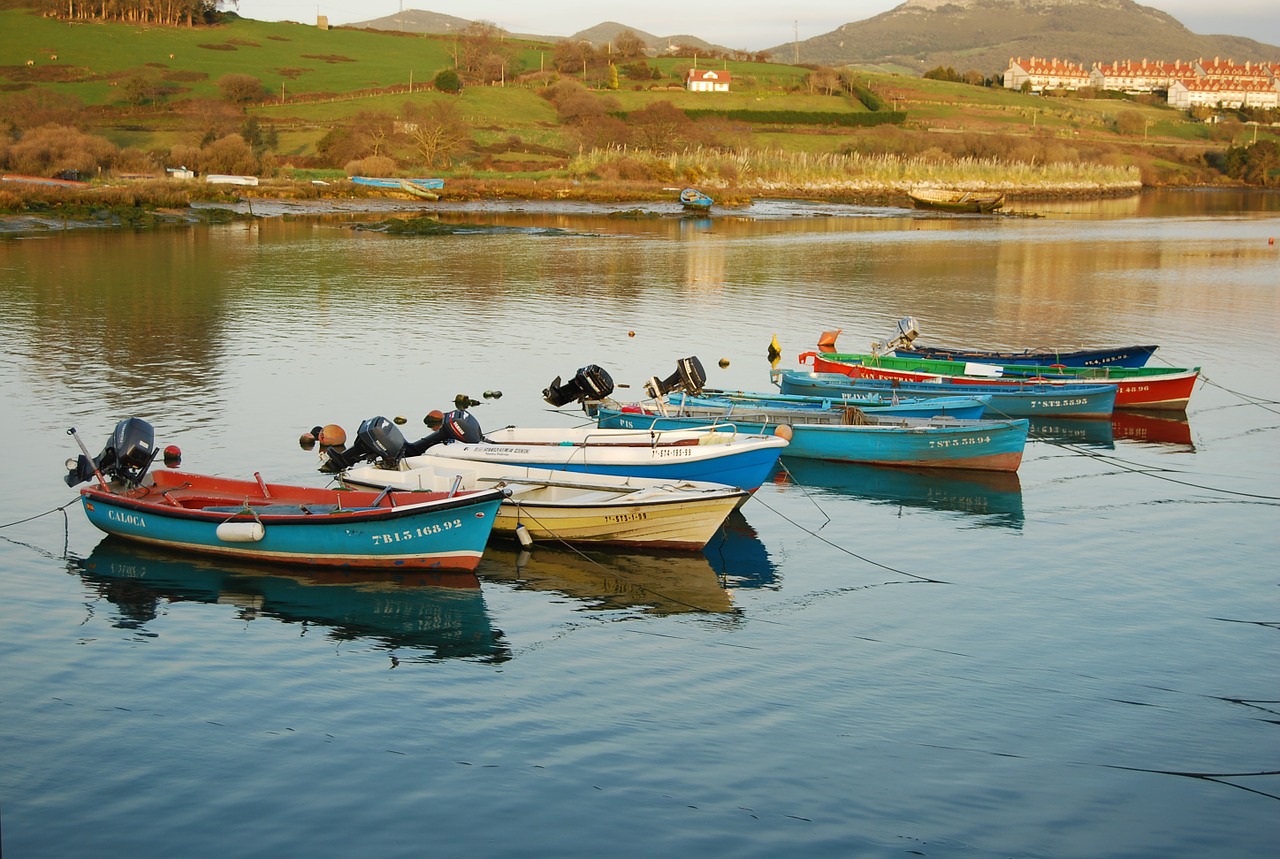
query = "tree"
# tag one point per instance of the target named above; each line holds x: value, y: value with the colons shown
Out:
x: 447, y: 80
x: 1253, y: 164
x: 438, y: 131
x: 660, y: 126
x: 51, y: 149
x: 241, y: 89
x: 1130, y: 122
x: 611, y: 81
x: 628, y: 46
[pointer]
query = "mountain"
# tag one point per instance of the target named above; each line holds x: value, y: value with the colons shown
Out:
x: 983, y: 35
x: 435, y: 23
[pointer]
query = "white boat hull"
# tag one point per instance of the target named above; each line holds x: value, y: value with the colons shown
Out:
x: 571, y: 507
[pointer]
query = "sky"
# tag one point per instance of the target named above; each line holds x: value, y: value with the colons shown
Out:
x: 752, y: 25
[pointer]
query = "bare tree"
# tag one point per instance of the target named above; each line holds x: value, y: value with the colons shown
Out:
x: 438, y: 131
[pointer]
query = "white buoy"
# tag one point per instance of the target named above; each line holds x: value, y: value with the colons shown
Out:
x: 522, y: 534
x: 241, y: 532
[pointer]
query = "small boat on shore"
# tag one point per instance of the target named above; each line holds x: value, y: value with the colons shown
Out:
x: 695, y: 200
x: 259, y: 521
x: 941, y: 200
x: 903, y: 345
x: 398, y: 184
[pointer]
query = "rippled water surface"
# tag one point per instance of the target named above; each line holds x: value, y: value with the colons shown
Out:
x: 1076, y: 661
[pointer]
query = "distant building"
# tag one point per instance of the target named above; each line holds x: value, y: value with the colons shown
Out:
x: 1139, y: 77
x: 1044, y: 74
x: 707, y: 80
x: 1206, y: 92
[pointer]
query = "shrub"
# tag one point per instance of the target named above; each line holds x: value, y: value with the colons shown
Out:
x: 241, y: 89
x: 375, y: 165
x: 447, y: 80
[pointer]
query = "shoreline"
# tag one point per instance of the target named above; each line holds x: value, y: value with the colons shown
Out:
x: 155, y: 205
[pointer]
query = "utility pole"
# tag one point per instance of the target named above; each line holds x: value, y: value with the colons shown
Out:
x: 796, y: 42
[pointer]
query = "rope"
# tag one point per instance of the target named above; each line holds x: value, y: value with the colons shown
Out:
x: 837, y: 546
x: 61, y: 509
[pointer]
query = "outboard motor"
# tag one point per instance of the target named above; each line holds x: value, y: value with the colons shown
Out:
x: 377, y: 439
x: 908, y: 331
x: 688, y: 377
x: 589, y: 383
x: 126, y: 457
x: 457, y: 425
x: 380, y: 440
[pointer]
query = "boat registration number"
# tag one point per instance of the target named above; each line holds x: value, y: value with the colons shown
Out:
x: 416, y: 533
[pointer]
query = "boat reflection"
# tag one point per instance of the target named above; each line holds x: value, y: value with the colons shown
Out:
x: 993, y: 498
x: 738, y: 556
x: 1165, y: 428
x: 439, y: 612
x: 653, y: 583
x: 1072, y: 431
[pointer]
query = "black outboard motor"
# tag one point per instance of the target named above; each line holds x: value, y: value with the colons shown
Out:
x: 126, y: 457
x: 589, y: 383
x: 379, y: 440
x: 688, y: 377
x: 457, y: 425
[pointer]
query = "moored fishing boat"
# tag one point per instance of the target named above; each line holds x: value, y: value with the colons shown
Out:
x: 743, y: 462
x: 1136, y: 387
x: 903, y: 344
x: 1025, y: 400
x: 715, y: 402
x: 261, y: 521
x: 995, y: 445
x: 549, y: 505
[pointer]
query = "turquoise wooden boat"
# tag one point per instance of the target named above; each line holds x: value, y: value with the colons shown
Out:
x: 725, y: 403
x: 695, y: 200
x: 910, y: 442
x: 259, y: 521
x: 1025, y: 400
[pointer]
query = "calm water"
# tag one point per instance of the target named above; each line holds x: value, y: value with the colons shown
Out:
x: 1080, y: 661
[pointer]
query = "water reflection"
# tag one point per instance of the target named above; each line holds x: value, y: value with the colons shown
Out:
x: 653, y: 583
x: 441, y: 613
x: 739, y: 557
x: 1090, y: 433
x: 992, y: 498
x: 1163, y: 428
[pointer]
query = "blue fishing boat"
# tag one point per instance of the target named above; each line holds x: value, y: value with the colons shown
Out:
x: 260, y: 521
x: 695, y: 200
x: 713, y: 402
x: 744, y: 461
x: 1023, y: 400
x: 912, y: 442
x: 903, y: 344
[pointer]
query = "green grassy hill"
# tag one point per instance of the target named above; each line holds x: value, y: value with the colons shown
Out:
x: 156, y: 90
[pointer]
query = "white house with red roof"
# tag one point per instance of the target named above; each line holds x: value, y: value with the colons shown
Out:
x: 707, y: 80
x: 1043, y: 74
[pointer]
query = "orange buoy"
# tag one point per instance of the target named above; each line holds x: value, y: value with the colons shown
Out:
x: 724, y: 362
x: 783, y: 431
x: 172, y: 456
x: 434, y: 418
x: 332, y: 435
x: 631, y: 334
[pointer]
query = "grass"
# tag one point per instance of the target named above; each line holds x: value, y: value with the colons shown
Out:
x: 519, y: 138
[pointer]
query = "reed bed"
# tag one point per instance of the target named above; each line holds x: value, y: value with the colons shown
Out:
x: 772, y: 171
